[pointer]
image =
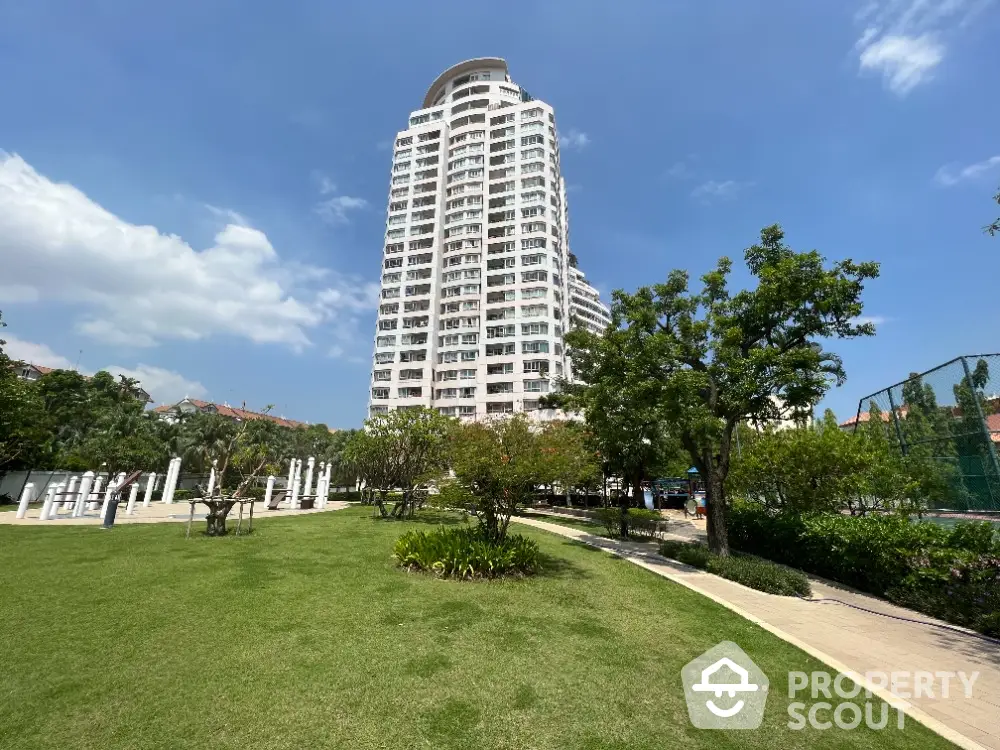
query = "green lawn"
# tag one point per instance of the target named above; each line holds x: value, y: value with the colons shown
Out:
x: 305, y: 635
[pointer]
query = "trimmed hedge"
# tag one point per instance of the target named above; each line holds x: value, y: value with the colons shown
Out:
x: 641, y: 522
x: 466, y: 553
x: 754, y: 572
x: 949, y: 573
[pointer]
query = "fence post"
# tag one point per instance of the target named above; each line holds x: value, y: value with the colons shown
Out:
x: 984, y: 425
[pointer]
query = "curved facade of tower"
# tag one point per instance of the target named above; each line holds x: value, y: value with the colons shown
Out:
x: 475, y: 294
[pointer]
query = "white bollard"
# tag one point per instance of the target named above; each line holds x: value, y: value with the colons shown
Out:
x: 26, y: 493
x: 307, y: 488
x: 173, y: 475
x: 150, y: 483
x: 326, y: 484
x: 269, y: 491
x: 296, y: 485
x: 211, y: 478
x: 95, y: 497
x: 133, y: 493
x: 107, y: 496
x: 291, y: 477
x: 81, y: 499
x: 47, y: 505
x: 57, y: 500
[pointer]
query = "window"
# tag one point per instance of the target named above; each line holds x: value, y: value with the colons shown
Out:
x: 533, y: 226
x: 527, y: 114
x: 410, y: 392
x: 447, y: 375
x: 384, y: 358
x: 537, y: 259
x: 503, y: 407
x: 376, y: 410
x: 450, y: 339
x: 498, y: 216
x: 499, y: 174
x: 411, y: 374
x: 451, y: 276
x: 467, y: 374
x: 532, y: 127
x: 412, y: 291
x: 502, y: 119
x: 427, y: 200
x: 393, y: 263
x: 500, y: 279
x: 385, y: 341
x: 390, y: 293
x: 395, y: 234
x: 467, y: 411
x: 413, y: 339
x: 534, y: 211
x: 534, y: 311
x: 428, y: 161
x: 494, y: 297
x: 380, y: 393
x: 396, y: 247
x: 533, y: 243
x: 400, y: 179
x: 495, y: 248
x: 505, y: 368
x: 472, y: 304
x: 446, y: 357
x: 391, y: 278
x: 497, y: 161
x: 492, y: 388
x: 414, y: 355
x: 531, y: 182
x: 419, y: 322
x: 446, y: 393
x: 534, y: 347
x: 470, y: 338
x: 534, y: 329
x: 470, y: 288
x: 418, y: 274
x: 380, y: 375
x: 529, y: 276
x: 404, y: 141
x: 447, y: 411
x: 417, y: 260
x: 541, y: 366
x: 390, y: 309
x: 420, y: 119
x: 499, y: 332
x: 535, y: 196
x: 500, y: 350
x: 536, y: 166
x: 498, y: 264
x: 533, y: 153
x: 501, y: 146
x: 417, y: 306
x: 533, y: 140
x: 467, y: 392
x: 505, y: 200
x: 469, y: 355
x: 387, y: 325
x: 397, y: 192
x: 502, y: 132
x: 398, y: 206
x: 428, y: 148
x: 402, y: 166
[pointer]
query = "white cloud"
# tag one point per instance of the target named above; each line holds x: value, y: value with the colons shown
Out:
x: 227, y: 214
x: 906, y: 40
x: 165, y: 386
x: 574, y: 139
x: 905, y: 62
x: 950, y: 175
x: 874, y: 319
x: 335, y: 210
x: 137, y: 285
x: 713, y: 189
x: 36, y: 354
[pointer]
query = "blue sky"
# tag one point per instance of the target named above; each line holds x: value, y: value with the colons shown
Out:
x: 194, y: 192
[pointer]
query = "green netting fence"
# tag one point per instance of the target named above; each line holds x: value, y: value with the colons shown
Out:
x: 950, y: 414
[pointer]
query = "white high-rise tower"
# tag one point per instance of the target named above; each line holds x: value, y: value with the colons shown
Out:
x: 476, y: 283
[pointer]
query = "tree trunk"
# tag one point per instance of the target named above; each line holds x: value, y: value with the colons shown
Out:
x: 216, y: 519
x: 715, y: 501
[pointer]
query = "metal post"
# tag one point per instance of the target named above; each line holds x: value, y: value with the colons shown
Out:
x: 985, y: 427
x: 895, y: 421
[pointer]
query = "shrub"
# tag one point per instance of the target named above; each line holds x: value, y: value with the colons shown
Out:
x: 640, y: 522
x: 181, y: 496
x: 754, y: 572
x: 257, y: 493
x: 953, y: 574
x: 466, y: 553
x: 6, y: 499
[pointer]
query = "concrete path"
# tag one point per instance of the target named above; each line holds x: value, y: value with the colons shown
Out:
x: 854, y: 634
x: 157, y: 512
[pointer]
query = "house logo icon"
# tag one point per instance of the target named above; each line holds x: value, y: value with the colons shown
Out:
x: 725, y: 689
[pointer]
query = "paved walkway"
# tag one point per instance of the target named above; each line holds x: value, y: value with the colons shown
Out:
x: 157, y: 512
x: 885, y: 639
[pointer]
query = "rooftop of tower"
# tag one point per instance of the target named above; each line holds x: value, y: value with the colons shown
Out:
x: 466, y: 66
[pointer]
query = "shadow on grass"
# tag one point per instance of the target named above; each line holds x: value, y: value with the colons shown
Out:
x: 426, y: 517
x: 551, y: 566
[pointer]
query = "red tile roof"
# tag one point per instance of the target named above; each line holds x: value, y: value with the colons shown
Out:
x: 232, y: 412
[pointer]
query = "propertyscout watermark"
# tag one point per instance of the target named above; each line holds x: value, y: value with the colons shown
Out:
x: 725, y: 689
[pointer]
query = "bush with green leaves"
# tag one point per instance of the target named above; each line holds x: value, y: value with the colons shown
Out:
x: 640, y: 522
x: 747, y: 570
x: 467, y: 553
x: 182, y: 496
x: 950, y: 573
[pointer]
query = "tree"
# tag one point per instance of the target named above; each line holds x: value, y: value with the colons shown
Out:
x: 399, y: 450
x: 712, y: 360
x: 23, y: 436
x: 994, y: 228
x: 500, y: 463
x: 122, y: 440
x: 569, y: 456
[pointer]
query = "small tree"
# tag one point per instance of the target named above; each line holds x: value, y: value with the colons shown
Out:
x: 500, y: 463
x: 712, y: 360
x: 401, y: 449
x: 569, y: 457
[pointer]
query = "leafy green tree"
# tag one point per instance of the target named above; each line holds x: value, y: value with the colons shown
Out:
x: 122, y: 440
x: 23, y: 437
x: 569, y: 457
x: 399, y: 450
x: 712, y: 360
x: 500, y: 463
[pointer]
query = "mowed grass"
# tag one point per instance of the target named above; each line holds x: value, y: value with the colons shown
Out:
x: 305, y: 635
